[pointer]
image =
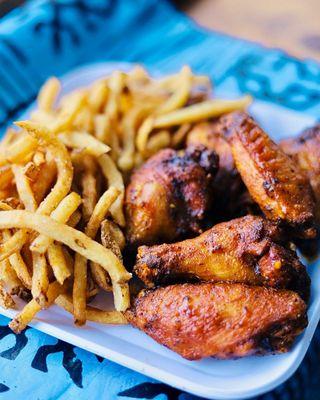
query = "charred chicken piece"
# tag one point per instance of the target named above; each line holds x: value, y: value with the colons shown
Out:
x: 305, y: 151
x: 168, y: 196
x: 228, y: 185
x: 273, y: 179
x: 242, y: 250
x: 221, y: 320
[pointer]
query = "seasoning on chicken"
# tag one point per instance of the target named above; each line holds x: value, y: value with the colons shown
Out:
x: 221, y: 320
x: 273, y: 179
x: 305, y: 151
x: 227, y: 184
x: 168, y: 196
x: 242, y: 250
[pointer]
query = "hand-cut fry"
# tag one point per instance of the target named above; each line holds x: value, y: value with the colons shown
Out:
x: 80, y: 265
x: 58, y: 262
x: 74, y: 219
x: 62, y: 213
x: 79, y: 292
x: 8, y: 275
x: 6, y: 299
x: 112, y: 237
x: 48, y: 94
x: 180, y: 95
x: 71, y: 106
x: 100, y: 277
x: 39, y: 158
x: 30, y: 170
x: 14, y: 244
x: 76, y: 240
x: 18, y: 151
x: 98, y: 96
x: 18, y: 264
x: 129, y: 126
x: 40, y: 281
x: 114, y: 178
x: 21, y: 269
x: 4, y: 206
x: 158, y: 141
x: 100, y: 210
x: 92, y: 313
x: 89, y: 186
x: 115, y: 84
x: 24, y: 188
x: 45, y: 179
x: 102, y: 128
x: 20, y: 321
x: 180, y: 134
x: 62, y: 159
x: 143, y: 133
x: 84, y: 141
x: 198, y: 112
x: 83, y: 121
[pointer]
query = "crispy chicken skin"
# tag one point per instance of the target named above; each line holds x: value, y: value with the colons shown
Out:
x: 168, y: 196
x: 241, y: 250
x: 221, y: 320
x: 227, y: 183
x: 305, y: 151
x: 273, y: 179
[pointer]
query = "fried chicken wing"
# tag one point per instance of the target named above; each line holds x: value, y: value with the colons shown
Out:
x: 227, y: 184
x: 221, y: 320
x: 305, y: 151
x: 242, y: 250
x: 273, y: 179
x: 168, y: 196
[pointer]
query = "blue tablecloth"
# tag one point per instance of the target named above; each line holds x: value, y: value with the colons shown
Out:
x: 51, y: 37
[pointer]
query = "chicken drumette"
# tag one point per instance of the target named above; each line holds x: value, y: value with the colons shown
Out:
x: 168, y: 196
x: 221, y: 320
x: 275, y: 182
x: 246, y: 250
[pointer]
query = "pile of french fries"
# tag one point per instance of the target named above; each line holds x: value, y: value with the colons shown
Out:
x: 62, y: 182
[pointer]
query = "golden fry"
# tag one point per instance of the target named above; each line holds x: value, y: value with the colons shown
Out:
x: 58, y: 262
x: 24, y: 188
x: 114, y: 178
x: 92, y: 313
x: 40, y: 281
x: 201, y: 111
x: 18, y: 151
x: 21, y: 320
x: 84, y: 141
x: 48, y: 94
x: 62, y: 159
x: 62, y: 213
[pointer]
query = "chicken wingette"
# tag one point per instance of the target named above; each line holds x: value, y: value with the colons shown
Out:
x: 221, y: 320
x: 242, y: 250
x: 273, y: 179
x: 305, y: 151
x: 168, y: 196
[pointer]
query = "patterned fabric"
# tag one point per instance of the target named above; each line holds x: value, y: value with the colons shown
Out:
x: 51, y: 37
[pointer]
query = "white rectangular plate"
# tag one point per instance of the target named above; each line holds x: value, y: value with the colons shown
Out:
x: 232, y: 379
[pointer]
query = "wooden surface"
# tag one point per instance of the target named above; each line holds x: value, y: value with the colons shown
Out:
x: 293, y: 25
